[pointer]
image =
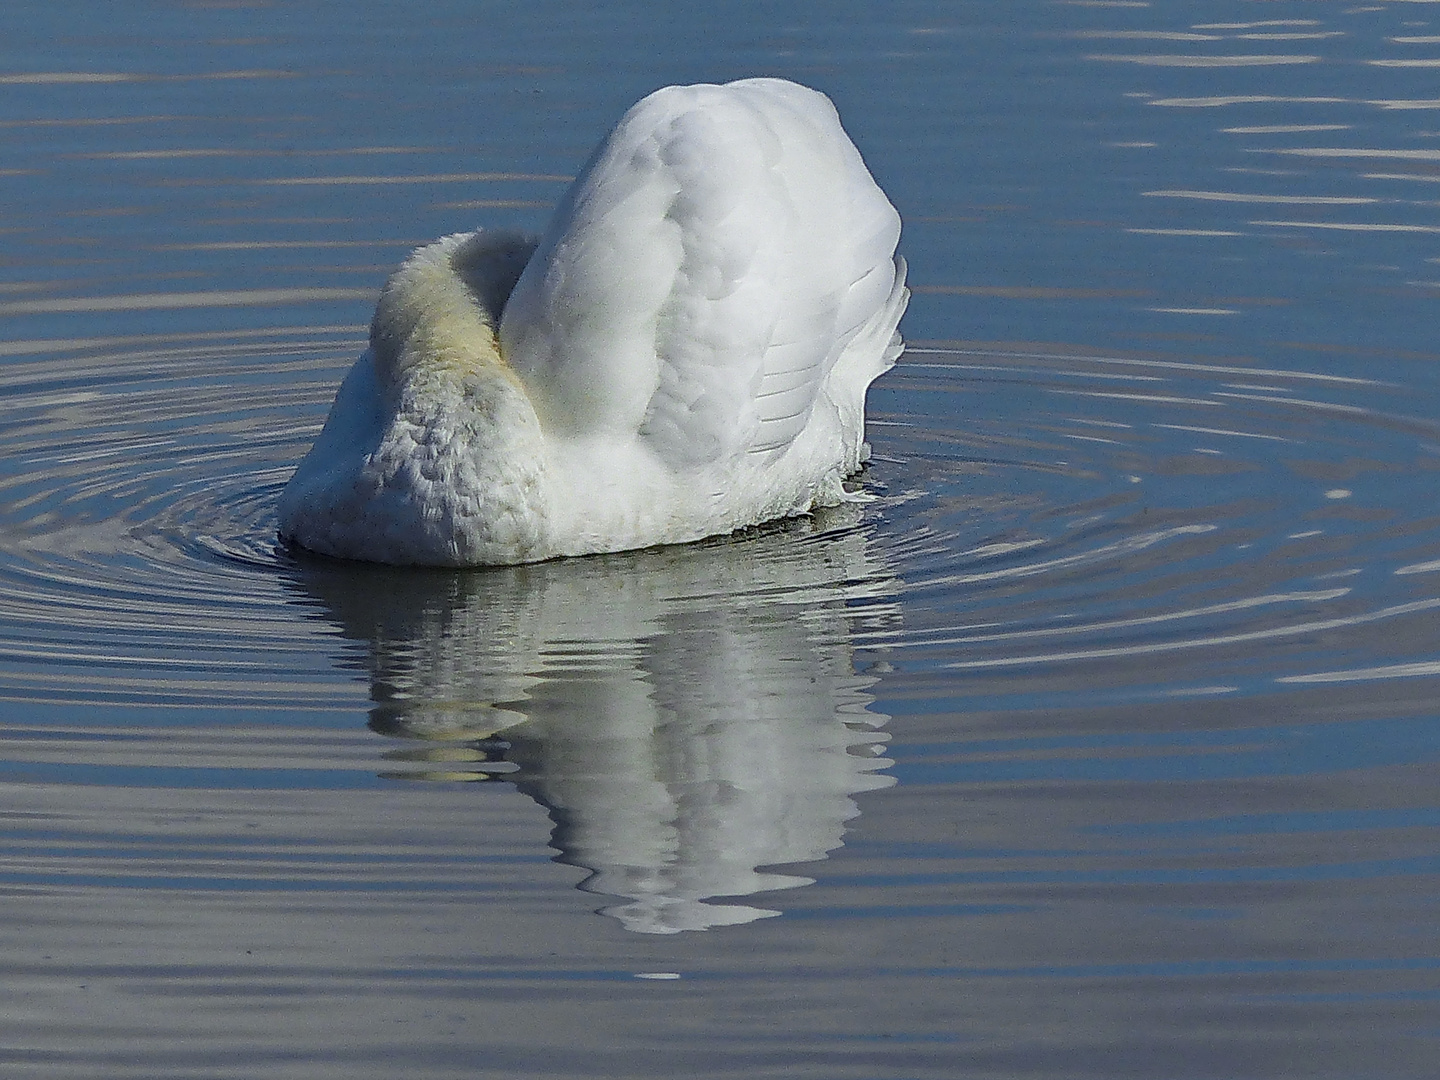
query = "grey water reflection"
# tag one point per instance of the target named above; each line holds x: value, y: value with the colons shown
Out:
x: 687, y: 717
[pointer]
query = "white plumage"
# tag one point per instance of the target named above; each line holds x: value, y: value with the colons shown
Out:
x: 685, y: 352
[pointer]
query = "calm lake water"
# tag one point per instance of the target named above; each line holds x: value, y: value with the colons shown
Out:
x: 1104, y: 742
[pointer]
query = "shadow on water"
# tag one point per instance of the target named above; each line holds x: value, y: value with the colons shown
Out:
x: 686, y: 716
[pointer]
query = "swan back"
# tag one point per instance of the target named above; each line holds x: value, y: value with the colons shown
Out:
x: 717, y: 256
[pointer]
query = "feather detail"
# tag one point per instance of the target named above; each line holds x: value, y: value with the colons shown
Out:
x: 685, y: 352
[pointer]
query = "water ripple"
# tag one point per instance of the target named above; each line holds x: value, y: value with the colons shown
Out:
x: 138, y: 524
x: 1193, y: 513
x: 1226, y: 525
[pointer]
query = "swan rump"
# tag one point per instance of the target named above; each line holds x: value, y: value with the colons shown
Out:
x: 684, y: 352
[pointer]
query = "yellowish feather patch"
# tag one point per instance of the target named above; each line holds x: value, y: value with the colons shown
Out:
x: 438, y: 313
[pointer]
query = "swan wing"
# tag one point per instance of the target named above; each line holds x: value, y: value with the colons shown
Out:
x: 722, y: 249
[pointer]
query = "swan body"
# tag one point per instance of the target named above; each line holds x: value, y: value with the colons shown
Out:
x: 684, y: 352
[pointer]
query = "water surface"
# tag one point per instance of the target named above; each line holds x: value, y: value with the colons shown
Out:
x: 1102, y: 742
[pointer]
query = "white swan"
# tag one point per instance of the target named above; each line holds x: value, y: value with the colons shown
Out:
x: 684, y: 353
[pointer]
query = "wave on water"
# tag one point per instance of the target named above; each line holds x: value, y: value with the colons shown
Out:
x: 1046, y: 524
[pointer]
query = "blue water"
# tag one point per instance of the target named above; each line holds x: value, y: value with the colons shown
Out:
x: 1102, y: 743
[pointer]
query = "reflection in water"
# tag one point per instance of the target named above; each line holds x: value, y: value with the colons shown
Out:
x: 1165, y: 700
x: 686, y: 715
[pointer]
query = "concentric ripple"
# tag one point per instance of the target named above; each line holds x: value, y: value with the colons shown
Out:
x: 138, y: 527
x: 1126, y: 524
x: 1142, y: 523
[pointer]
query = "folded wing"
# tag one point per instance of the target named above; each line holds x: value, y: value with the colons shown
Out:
x: 718, y: 255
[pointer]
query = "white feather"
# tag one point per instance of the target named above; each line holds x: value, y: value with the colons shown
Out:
x: 685, y: 353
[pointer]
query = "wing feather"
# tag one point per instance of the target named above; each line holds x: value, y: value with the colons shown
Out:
x: 716, y: 258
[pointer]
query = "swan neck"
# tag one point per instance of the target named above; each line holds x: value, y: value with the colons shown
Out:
x: 431, y: 322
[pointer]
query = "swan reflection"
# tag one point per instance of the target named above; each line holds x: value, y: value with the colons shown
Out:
x: 687, y: 716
